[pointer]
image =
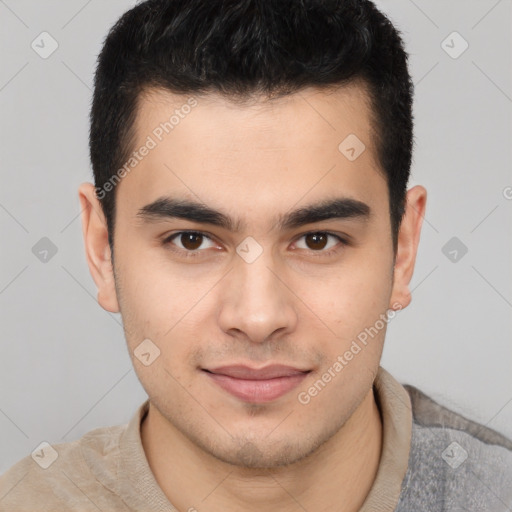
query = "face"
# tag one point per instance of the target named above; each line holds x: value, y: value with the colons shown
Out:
x: 254, y: 300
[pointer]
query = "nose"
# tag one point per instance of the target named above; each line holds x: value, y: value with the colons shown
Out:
x: 256, y: 302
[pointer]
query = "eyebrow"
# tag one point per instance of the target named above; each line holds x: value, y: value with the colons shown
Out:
x: 166, y: 208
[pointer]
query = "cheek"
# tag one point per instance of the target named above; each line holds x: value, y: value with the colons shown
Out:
x: 157, y: 291
x: 355, y: 313
x: 353, y: 297
x: 156, y: 307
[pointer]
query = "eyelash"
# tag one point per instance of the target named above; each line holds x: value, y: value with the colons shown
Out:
x: 194, y: 254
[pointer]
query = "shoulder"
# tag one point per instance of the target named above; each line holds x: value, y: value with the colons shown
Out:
x: 455, y: 463
x: 61, y: 475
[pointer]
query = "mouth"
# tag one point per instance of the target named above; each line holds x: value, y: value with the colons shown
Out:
x: 256, y: 385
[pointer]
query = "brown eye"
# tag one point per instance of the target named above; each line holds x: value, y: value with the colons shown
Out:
x: 316, y: 241
x: 191, y: 241
x: 321, y: 242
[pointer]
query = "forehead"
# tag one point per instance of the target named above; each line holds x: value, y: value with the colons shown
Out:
x: 314, y: 142
x: 327, y: 111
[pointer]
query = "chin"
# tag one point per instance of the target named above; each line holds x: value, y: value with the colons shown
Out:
x: 264, y: 454
x: 251, y: 456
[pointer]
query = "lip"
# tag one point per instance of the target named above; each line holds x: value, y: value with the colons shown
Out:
x: 256, y: 385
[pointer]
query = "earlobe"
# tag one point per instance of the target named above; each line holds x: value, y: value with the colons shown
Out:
x: 407, y: 247
x: 97, y: 249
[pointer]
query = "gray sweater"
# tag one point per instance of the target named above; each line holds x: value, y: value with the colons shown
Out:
x: 455, y: 464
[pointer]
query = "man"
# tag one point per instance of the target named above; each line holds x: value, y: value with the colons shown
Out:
x: 251, y: 222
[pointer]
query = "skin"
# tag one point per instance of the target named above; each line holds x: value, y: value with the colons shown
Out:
x: 293, y: 305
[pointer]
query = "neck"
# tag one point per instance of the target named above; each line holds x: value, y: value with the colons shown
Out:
x: 337, y: 475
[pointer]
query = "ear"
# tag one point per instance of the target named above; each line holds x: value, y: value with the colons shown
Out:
x: 408, y: 240
x: 97, y: 249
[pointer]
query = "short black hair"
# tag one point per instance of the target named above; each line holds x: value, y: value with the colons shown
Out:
x: 248, y: 48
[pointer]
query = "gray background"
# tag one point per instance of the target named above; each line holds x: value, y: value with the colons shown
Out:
x: 64, y: 367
